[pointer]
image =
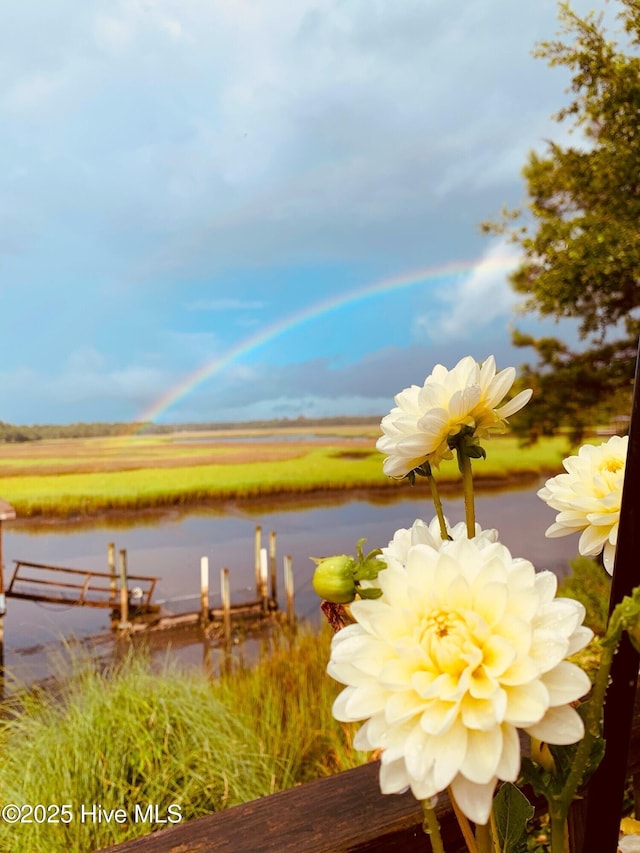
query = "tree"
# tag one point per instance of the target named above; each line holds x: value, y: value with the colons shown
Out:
x: 580, y: 233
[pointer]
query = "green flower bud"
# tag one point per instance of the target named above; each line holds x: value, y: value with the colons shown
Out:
x: 333, y: 579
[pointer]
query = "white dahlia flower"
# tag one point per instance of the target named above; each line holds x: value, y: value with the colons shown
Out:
x: 465, y: 646
x: 421, y: 533
x: 588, y: 497
x: 417, y: 428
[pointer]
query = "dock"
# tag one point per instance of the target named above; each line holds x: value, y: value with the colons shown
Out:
x: 129, y: 597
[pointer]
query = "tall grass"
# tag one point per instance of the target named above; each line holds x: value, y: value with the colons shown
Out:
x: 129, y: 736
x: 158, y: 482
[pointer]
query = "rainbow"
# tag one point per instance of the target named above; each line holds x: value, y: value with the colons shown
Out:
x: 499, y: 263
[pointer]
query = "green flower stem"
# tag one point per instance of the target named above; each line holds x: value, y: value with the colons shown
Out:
x: 558, y: 835
x: 559, y: 805
x: 464, y: 464
x: 431, y: 827
x: 463, y: 823
x: 484, y: 839
x: 435, y: 495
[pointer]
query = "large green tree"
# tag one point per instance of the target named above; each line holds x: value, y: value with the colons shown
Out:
x: 580, y: 230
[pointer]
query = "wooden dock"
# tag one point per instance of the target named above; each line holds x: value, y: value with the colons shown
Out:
x: 129, y: 596
x: 76, y: 587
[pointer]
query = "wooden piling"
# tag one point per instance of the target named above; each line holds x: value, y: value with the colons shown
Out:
x: 288, y: 588
x: 124, y: 593
x: 226, y: 609
x: 111, y: 560
x: 204, y: 590
x: 273, y: 569
x: 257, y: 546
x: 264, y: 572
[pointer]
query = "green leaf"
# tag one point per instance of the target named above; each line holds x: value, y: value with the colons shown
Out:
x: 511, y: 811
x: 536, y: 776
x: 475, y: 451
x: 369, y: 592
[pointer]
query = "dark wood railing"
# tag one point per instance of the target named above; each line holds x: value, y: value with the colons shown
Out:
x: 345, y: 813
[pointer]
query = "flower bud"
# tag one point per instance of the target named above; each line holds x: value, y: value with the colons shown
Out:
x: 333, y: 579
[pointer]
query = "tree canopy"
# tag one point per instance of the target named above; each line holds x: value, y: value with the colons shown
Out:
x: 579, y: 234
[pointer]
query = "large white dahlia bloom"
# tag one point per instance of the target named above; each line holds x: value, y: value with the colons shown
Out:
x: 588, y: 497
x: 465, y: 646
x: 417, y: 428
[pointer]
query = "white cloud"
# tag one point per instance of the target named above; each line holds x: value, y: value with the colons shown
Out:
x: 476, y: 301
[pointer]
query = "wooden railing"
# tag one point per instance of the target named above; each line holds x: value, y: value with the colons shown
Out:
x: 345, y: 813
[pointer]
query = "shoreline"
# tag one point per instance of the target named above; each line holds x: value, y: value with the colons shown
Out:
x: 387, y: 492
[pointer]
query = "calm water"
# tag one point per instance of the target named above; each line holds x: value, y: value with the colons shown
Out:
x: 170, y: 546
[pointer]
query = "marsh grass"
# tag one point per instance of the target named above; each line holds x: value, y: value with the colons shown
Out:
x: 91, y: 476
x: 130, y: 736
x: 590, y: 584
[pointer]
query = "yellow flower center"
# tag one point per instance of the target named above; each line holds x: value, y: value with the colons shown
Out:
x: 612, y: 465
x: 445, y: 637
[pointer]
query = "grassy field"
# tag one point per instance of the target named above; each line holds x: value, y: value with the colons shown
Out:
x: 131, y: 736
x: 78, y: 477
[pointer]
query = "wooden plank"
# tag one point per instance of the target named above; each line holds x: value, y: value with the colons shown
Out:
x: 346, y: 812
x: 19, y: 563
x: 55, y: 599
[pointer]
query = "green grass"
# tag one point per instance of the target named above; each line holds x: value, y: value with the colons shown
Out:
x: 130, y: 737
x: 111, y: 475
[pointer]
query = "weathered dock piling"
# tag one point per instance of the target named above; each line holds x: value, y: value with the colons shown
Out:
x: 124, y: 624
x: 273, y: 566
x: 204, y: 590
x: 288, y: 588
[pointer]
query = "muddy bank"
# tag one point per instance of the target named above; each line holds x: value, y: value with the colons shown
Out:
x: 388, y: 491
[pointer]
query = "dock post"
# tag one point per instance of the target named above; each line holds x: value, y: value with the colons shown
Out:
x: 7, y: 513
x: 204, y: 590
x: 256, y: 552
x: 111, y: 559
x: 264, y: 594
x: 273, y: 568
x: 288, y: 588
x: 226, y: 612
x: 124, y: 593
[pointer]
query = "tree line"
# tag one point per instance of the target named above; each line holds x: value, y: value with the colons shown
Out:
x: 42, y: 432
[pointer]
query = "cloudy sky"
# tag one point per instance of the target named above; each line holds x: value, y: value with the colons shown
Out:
x: 230, y: 209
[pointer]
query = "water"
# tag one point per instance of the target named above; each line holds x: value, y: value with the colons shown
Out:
x: 170, y: 545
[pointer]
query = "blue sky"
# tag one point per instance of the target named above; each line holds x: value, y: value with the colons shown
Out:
x: 180, y: 176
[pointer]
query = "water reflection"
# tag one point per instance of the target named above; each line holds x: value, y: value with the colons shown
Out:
x: 170, y: 544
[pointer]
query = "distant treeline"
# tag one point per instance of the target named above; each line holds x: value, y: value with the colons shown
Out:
x: 39, y: 432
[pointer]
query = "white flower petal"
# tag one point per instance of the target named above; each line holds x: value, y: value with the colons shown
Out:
x: 580, y: 638
x: 394, y: 778
x: 483, y: 755
x: 566, y: 683
x: 508, y: 768
x: 475, y: 801
x: 561, y: 726
x: 629, y: 844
